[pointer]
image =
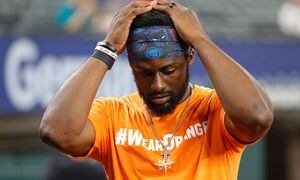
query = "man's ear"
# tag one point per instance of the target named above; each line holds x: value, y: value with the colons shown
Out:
x: 190, y: 57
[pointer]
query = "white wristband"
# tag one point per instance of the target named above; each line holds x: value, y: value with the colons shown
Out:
x: 107, y: 51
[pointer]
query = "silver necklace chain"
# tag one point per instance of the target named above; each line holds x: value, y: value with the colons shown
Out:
x: 177, y: 125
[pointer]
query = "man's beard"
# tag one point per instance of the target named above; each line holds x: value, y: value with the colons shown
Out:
x: 168, y: 107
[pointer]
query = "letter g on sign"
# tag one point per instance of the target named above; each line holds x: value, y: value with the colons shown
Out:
x: 17, y: 83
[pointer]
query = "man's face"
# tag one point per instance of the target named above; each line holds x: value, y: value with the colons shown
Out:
x: 162, y: 83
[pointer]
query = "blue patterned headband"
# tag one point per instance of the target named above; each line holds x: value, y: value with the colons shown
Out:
x: 154, y: 42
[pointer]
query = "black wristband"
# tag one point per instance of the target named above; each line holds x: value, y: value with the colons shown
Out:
x: 109, y: 61
x: 108, y: 46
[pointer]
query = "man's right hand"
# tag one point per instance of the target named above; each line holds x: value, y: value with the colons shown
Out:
x: 65, y: 124
x: 120, y: 25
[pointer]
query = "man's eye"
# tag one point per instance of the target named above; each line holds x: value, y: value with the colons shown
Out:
x: 169, y: 71
x: 146, y: 73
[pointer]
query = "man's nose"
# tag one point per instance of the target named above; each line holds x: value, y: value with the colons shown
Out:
x: 158, y: 83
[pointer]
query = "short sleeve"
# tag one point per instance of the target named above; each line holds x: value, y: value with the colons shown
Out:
x: 99, y: 117
x: 219, y: 113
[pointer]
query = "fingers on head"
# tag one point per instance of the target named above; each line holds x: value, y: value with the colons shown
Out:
x: 165, y: 2
x: 132, y: 13
x: 137, y: 11
x: 164, y: 8
x: 136, y: 7
x: 139, y: 4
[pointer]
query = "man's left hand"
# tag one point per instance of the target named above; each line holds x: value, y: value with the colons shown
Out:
x: 185, y: 21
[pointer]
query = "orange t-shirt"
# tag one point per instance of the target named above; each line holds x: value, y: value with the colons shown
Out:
x: 201, y: 149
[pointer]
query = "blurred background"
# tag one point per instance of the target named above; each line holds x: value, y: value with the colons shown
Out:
x: 42, y: 42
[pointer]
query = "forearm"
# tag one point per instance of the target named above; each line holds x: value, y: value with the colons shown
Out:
x: 65, y: 123
x: 67, y: 113
x: 242, y: 97
x: 248, y: 109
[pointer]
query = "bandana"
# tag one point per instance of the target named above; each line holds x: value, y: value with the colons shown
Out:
x: 154, y: 42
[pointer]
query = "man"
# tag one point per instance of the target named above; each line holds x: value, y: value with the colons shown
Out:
x: 169, y: 128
